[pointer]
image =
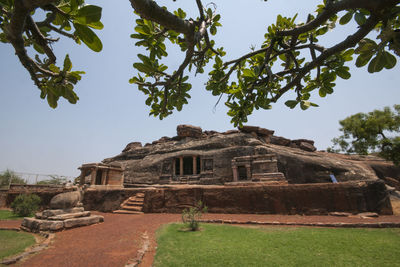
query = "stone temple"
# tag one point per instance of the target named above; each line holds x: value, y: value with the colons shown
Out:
x: 248, y: 155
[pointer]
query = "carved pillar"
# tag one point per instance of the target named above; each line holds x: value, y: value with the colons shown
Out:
x: 93, y: 176
x: 248, y: 170
x: 104, y: 177
x: 181, y: 165
x: 194, y: 165
x: 82, y: 177
x: 235, y: 173
x: 174, y: 167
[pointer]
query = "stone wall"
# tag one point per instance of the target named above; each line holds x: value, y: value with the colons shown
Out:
x: 45, y: 192
x: 354, y: 197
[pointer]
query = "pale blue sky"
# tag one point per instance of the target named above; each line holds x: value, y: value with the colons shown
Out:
x: 111, y: 112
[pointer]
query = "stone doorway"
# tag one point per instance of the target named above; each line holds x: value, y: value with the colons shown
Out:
x: 99, y: 175
x: 242, y: 173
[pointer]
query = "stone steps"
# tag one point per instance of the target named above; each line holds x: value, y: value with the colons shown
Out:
x: 132, y: 205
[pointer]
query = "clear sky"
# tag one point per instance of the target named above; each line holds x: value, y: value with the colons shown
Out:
x: 111, y: 112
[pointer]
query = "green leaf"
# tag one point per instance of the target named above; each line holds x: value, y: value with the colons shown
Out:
x: 248, y: 73
x: 291, y: 103
x: 343, y: 73
x: 360, y: 18
x: 363, y: 59
x: 389, y: 59
x: 377, y: 63
x: 89, y: 13
x: 143, y: 67
x: 52, y: 99
x: 67, y: 63
x: 346, y: 18
x: 54, y: 68
x: 88, y: 37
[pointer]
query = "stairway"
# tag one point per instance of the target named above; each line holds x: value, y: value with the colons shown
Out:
x: 132, y: 205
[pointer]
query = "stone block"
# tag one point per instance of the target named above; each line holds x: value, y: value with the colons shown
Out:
x: 67, y: 216
x: 189, y: 131
x: 307, y: 147
x: 132, y: 146
x: 83, y: 221
x: 249, y: 129
x: 280, y: 141
x: 55, y: 212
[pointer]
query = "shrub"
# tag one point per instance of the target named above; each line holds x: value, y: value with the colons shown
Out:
x: 9, y: 177
x: 191, y: 216
x: 25, y: 205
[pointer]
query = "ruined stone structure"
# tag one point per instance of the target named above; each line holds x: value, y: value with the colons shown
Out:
x: 66, y: 211
x: 248, y: 170
x: 109, y: 175
x: 249, y: 154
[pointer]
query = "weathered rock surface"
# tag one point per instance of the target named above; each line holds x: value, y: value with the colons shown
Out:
x: 189, y: 131
x: 144, y: 164
x: 83, y: 221
x: 131, y: 146
x: 66, y: 200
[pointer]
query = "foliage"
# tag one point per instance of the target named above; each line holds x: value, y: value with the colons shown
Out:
x: 8, y: 215
x: 290, y: 59
x: 68, y: 18
x: 9, y: 177
x: 364, y: 133
x: 225, y: 245
x: 13, y: 242
x: 54, y: 180
x: 191, y: 216
x: 25, y: 204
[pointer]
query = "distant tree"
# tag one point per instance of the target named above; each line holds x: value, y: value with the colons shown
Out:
x: 54, y: 180
x: 10, y: 177
x: 376, y: 131
x: 290, y: 59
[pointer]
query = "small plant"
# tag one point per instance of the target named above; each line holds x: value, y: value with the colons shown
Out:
x: 191, y: 216
x: 25, y: 205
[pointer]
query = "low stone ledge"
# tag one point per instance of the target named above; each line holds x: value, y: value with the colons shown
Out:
x: 84, y: 221
x: 318, y: 224
x: 67, y: 216
x: 50, y: 213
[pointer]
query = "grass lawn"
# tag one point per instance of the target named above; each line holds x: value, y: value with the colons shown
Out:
x: 8, y: 215
x: 225, y: 245
x: 12, y: 242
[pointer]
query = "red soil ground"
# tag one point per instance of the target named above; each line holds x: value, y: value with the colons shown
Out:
x: 118, y: 239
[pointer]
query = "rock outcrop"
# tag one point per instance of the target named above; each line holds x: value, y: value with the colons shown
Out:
x: 297, y: 159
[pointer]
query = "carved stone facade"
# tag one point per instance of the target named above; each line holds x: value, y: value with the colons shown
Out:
x: 99, y: 174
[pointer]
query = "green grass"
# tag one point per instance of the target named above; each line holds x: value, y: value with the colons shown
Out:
x: 9, y: 215
x: 12, y: 242
x: 224, y: 245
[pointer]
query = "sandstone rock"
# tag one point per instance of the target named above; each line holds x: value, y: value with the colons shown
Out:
x: 37, y: 225
x: 340, y: 214
x: 84, y: 221
x: 280, y: 141
x: 132, y: 146
x: 63, y: 217
x: 392, y: 182
x: 266, y: 132
x: 66, y: 200
x: 50, y: 213
x: 248, y: 129
x: 298, y: 141
x: 369, y: 214
x: 189, y: 131
x: 307, y: 146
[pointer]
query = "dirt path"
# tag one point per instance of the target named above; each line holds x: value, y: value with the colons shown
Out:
x: 119, y: 238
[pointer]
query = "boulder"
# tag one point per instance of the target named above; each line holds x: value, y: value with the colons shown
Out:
x: 184, y: 130
x: 248, y: 129
x: 265, y: 132
x: 307, y: 146
x: 131, y: 146
x: 280, y: 141
x: 66, y: 200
